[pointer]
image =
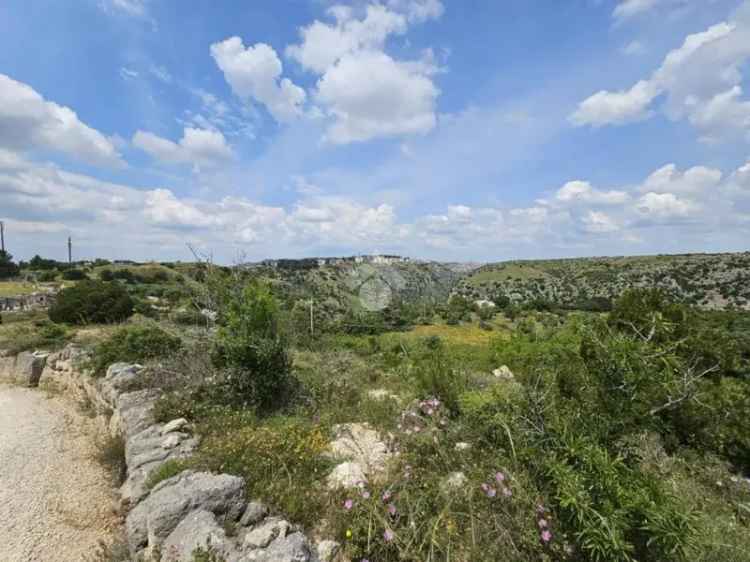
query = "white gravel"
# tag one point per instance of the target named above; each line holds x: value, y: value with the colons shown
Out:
x: 56, y: 501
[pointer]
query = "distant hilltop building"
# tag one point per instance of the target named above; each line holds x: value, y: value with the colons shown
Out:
x: 309, y: 263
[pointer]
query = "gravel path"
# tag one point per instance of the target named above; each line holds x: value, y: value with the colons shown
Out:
x: 56, y: 501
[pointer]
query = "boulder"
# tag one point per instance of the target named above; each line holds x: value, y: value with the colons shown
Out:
x: 291, y: 548
x: 174, y: 425
x: 119, y: 378
x: 266, y: 532
x: 327, y: 550
x: 154, y: 519
x: 133, y: 412
x: 255, y: 512
x: 199, y: 529
x: 359, y: 443
x: 29, y: 366
x: 346, y: 475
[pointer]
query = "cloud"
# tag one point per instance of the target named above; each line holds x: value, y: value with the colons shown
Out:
x: 199, y: 147
x: 634, y: 48
x: 324, y: 44
x: 366, y: 92
x: 28, y: 122
x: 255, y: 73
x: 665, y: 205
x: 688, y: 209
x: 616, y: 108
x: 128, y: 7
x: 371, y: 95
x: 699, y: 81
x: 128, y: 73
x: 627, y: 9
x: 161, y: 73
x: 583, y: 191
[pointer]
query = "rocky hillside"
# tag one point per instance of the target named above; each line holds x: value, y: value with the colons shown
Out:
x: 712, y: 281
x: 362, y: 286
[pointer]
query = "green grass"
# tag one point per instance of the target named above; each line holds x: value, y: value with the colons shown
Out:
x: 16, y: 288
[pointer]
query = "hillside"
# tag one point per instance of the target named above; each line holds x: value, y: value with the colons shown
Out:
x: 369, y: 286
x: 710, y: 281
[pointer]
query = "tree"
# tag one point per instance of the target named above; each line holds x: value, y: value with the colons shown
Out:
x: 8, y: 268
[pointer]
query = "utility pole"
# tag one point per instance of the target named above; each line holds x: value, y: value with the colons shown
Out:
x: 312, y: 323
x: 70, y: 251
x: 2, y: 236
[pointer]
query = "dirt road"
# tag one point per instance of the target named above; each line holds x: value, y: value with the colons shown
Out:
x: 55, y: 499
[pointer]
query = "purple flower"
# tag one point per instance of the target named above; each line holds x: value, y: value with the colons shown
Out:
x: 392, y: 509
x: 348, y: 504
x: 388, y: 536
x: 489, y: 490
x: 542, y: 523
x: 365, y: 494
x: 499, y: 477
x: 546, y: 536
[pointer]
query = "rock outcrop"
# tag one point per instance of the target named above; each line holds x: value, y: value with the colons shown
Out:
x: 25, y: 368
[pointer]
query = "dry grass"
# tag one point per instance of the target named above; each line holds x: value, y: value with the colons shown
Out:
x: 16, y: 288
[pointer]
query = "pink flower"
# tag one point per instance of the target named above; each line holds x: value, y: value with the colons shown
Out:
x: 348, y: 504
x: 542, y: 523
x: 387, y: 495
x: 388, y: 536
x: 365, y: 494
x: 392, y: 509
x: 489, y: 490
x: 546, y: 535
x: 499, y: 477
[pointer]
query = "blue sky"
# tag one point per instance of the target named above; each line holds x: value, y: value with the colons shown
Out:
x: 431, y: 128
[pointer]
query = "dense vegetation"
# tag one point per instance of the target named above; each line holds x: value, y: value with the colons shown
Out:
x: 91, y: 302
x: 622, y: 434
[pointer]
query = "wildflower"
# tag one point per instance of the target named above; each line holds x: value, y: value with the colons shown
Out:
x: 542, y: 523
x: 546, y: 536
x: 388, y: 536
x: 365, y: 494
x: 348, y: 504
x: 499, y: 477
x: 540, y: 509
x: 489, y: 490
x: 392, y: 509
x: 507, y: 492
x: 387, y: 495
x: 348, y: 533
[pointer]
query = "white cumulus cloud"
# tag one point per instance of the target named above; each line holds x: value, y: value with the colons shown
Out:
x: 199, y: 147
x: 29, y: 122
x: 254, y: 72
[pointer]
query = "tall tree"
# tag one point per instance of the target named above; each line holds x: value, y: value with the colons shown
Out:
x: 7, y: 267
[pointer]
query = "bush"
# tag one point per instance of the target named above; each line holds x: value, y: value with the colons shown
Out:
x: 133, y: 344
x: 74, y: 275
x: 250, y: 347
x: 91, y: 302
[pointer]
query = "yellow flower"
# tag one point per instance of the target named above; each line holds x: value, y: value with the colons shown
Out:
x: 348, y: 533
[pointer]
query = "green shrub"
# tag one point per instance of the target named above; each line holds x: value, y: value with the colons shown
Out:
x: 251, y: 348
x: 91, y: 302
x: 171, y: 468
x: 74, y: 275
x: 111, y: 455
x: 133, y: 344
